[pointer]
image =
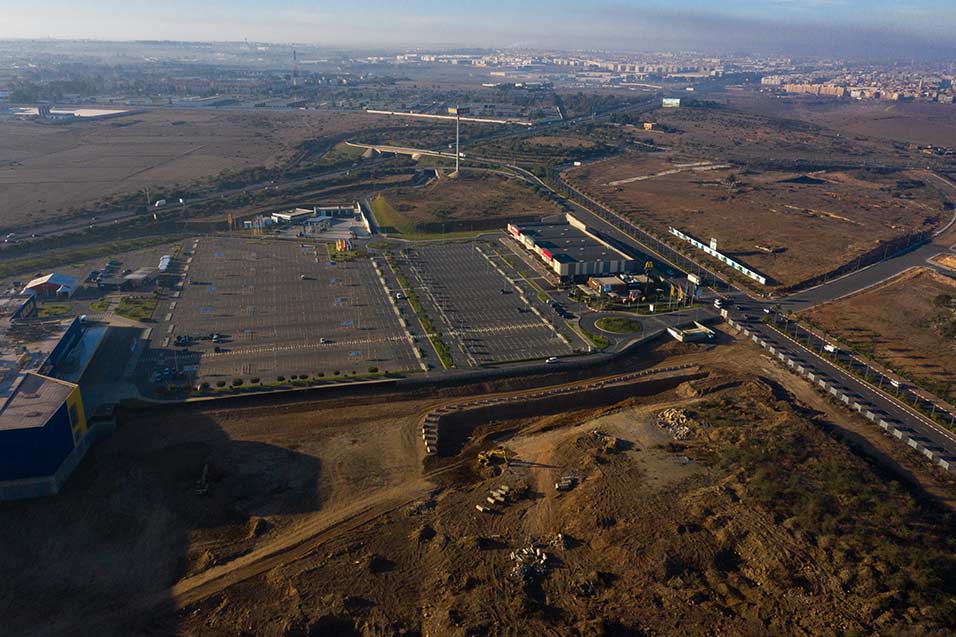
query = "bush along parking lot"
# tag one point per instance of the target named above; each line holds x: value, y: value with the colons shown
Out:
x: 137, y: 308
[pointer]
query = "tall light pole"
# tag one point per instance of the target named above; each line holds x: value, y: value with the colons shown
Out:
x: 457, y: 111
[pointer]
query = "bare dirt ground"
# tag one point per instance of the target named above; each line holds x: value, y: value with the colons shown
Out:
x: 908, y: 322
x: 905, y: 122
x: 92, y: 161
x: 789, y: 226
x: 947, y: 261
x: 561, y: 141
x: 321, y: 520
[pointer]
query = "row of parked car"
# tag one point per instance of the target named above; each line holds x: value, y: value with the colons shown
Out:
x: 185, y: 340
x: 559, y: 309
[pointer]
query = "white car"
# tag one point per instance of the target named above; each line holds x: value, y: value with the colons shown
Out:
x: 323, y: 341
x: 552, y: 360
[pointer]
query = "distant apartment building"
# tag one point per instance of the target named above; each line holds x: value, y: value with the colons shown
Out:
x: 829, y: 90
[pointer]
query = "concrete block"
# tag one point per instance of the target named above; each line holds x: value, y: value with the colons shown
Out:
x: 913, y: 444
x: 885, y: 426
x: 943, y: 463
x: 929, y: 453
x: 870, y: 416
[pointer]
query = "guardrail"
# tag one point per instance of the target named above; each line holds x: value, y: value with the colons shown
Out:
x: 818, y: 380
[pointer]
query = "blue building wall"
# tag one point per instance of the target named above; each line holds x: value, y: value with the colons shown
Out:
x: 67, y: 341
x: 30, y: 453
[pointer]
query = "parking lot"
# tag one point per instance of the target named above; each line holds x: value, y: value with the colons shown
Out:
x: 279, y: 308
x: 485, y: 316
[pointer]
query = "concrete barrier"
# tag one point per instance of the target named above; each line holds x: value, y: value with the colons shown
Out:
x: 913, y: 443
x: 943, y: 463
x: 885, y: 426
x: 929, y: 453
x: 870, y: 416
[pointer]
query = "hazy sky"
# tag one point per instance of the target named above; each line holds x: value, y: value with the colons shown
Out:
x: 810, y: 26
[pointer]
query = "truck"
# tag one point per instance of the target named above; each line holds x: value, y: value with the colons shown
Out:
x: 831, y: 348
x: 718, y: 303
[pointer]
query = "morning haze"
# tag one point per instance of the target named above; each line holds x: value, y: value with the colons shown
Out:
x: 596, y: 319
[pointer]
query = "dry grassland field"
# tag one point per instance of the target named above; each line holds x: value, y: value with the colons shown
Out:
x: 908, y: 323
x: 906, y: 122
x: 789, y: 226
x: 475, y: 201
x: 561, y: 141
x: 47, y: 169
x: 321, y: 519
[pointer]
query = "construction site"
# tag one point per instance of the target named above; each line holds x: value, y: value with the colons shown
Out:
x: 654, y: 496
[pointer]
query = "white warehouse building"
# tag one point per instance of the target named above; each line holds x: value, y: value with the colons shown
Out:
x: 572, y: 250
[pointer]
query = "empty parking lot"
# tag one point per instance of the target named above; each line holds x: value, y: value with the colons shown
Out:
x: 484, y: 315
x: 281, y: 308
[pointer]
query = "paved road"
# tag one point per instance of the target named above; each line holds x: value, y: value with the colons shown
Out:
x: 867, y: 277
x: 653, y: 325
x: 914, y: 426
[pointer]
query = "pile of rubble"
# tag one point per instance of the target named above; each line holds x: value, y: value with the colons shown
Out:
x: 677, y: 423
x: 566, y: 483
x: 610, y: 443
x: 529, y: 562
x: 430, y: 433
x: 500, y: 496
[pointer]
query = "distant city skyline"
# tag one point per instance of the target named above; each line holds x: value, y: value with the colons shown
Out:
x: 872, y: 28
